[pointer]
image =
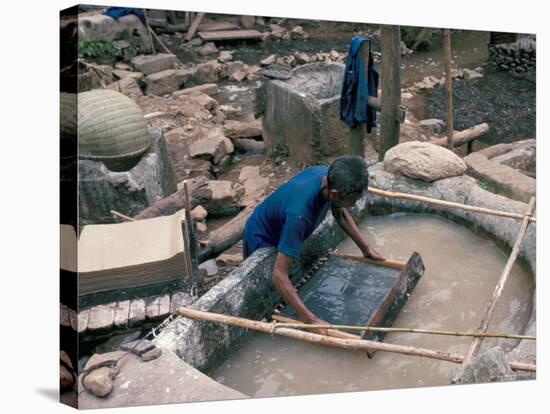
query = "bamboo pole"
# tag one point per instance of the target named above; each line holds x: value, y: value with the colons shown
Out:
x: 354, y: 344
x: 412, y: 197
x: 150, y: 31
x: 447, y: 59
x: 398, y: 264
x: 330, y: 332
x: 292, y: 323
x: 122, y: 216
x: 196, y: 21
x: 489, y: 312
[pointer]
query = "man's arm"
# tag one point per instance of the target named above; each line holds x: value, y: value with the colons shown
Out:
x: 346, y: 221
x: 284, y: 286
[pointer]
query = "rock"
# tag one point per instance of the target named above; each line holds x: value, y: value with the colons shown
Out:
x: 208, y: 48
x: 214, y: 146
x: 406, y: 95
x: 238, y: 76
x: 277, y: 72
x: 199, y: 213
x: 231, y: 112
x: 101, y: 318
x: 504, y: 179
x: 302, y: 58
x: 99, y: 382
x: 237, y: 129
x: 162, y: 83
x: 270, y: 60
x: 247, y: 22
x: 122, y: 311
x: 298, y: 33
x: 148, y: 64
x: 204, y: 73
x: 254, y: 185
x: 129, y: 192
x: 471, y: 74
x: 180, y: 299
x: 226, y: 259
x: 225, y: 197
x: 128, y: 86
x: 210, y: 267
x: 66, y: 376
x: 138, y: 347
x: 201, y: 227
x: 150, y: 355
x: 433, y: 126
x: 250, y: 146
x: 207, y: 88
x: 424, y: 161
x: 232, y: 67
x: 524, y: 157
x: 123, y: 66
x: 277, y: 32
x: 225, y: 56
x: 490, y: 366
x: 137, y: 312
x: 121, y: 74
x: 203, y: 100
x: 334, y: 55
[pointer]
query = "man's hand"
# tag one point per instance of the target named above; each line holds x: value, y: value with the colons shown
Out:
x: 370, y: 253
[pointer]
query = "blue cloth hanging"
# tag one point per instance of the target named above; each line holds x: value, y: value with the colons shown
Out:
x: 356, y: 89
x: 117, y: 12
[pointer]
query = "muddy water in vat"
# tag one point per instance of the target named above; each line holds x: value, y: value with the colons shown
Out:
x: 461, y: 272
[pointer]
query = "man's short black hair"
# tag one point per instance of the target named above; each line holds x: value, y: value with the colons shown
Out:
x: 348, y: 175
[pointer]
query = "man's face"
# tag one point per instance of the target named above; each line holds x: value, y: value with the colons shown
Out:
x: 343, y: 202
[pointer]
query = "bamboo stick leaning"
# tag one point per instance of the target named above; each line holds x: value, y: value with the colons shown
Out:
x: 489, y: 312
x: 412, y: 197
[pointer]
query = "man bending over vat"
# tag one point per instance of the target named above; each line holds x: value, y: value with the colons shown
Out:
x: 292, y: 212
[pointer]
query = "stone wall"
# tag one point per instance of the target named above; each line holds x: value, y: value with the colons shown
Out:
x: 129, y: 192
x: 518, y: 57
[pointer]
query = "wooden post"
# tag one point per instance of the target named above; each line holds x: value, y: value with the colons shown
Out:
x: 191, y: 32
x: 391, y: 89
x: 193, y: 249
x: 357, y: 134
x: 149, y: 30
x: 476, y: 342
x: 447, y: 60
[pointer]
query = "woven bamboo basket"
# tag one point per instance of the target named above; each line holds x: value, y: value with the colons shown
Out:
x: 68, y: 128
x: 111, y: 127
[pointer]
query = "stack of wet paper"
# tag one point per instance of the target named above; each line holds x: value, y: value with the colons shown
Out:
x: 123, y: 255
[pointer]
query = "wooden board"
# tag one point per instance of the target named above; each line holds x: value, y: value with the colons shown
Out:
x: 349, y: 292
x: 229, y: 35
x: 216, y: 27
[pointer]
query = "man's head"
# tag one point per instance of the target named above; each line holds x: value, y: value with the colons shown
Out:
x: 347, y: 179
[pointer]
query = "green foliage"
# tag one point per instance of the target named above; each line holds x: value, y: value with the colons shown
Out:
x: 96, y: 48
x: 280, y: 149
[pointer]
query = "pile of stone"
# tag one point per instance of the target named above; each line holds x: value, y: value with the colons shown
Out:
x: 429, y: 82
x: 280, y: 33
x: 518, y: 57
x: 302, y: 58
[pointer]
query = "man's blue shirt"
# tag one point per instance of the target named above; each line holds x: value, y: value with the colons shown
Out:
x: 289, y: 215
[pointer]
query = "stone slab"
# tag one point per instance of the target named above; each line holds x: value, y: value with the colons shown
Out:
x: 144, y: 383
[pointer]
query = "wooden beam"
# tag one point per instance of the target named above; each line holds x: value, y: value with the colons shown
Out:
x: 391, y: 89
x: 447, y: 60
x: 463, y: 137
x: 397, y: 264
x: 229, y: 35
x: 194, y: 26
x: 489, y: 312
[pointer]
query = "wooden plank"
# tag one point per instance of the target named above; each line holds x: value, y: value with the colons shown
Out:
x: 395, y: 299
x: 218, y: 26
x: 229, y: 35
x: 463, y: 137
x: 489, y: 312
x: 391, y: 89
x: 194, y: 26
